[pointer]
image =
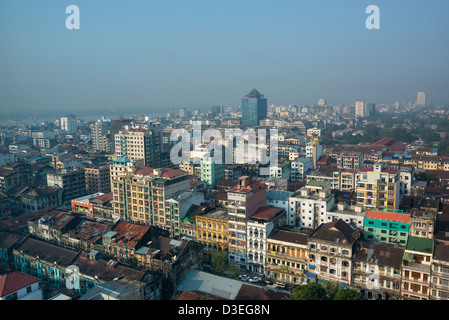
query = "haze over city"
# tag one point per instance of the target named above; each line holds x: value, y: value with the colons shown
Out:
x: 147, y: 56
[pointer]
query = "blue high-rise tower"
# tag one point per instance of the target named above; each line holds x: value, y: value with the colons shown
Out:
x: 254, y: 108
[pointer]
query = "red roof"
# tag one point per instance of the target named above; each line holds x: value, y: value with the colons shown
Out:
x: 105, y: 197
x: 167, y: 173
x: 266, y: 212
x: 388, y: 216
x: 15, y: 281
x: 388, y: 143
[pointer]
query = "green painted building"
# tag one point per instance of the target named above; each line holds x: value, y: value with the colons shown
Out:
x: 388, y: 226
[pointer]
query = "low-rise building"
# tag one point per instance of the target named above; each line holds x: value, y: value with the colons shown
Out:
x: 258, y: 227
x: 439, y: 278
x: 212, y: 232
x: 388, y: 226
x: 354, y: 215
x: 20, y: 286
x: 173, y: 258
x: 416, y: 268
x: 331, y: 248
x: 287, y: 256
x: 377, y: 270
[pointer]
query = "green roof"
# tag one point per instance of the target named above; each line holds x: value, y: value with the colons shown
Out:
x: 420, y: 244
x: 316, y: 183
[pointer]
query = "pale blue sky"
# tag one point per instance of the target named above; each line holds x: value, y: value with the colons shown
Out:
x: 167, y: 54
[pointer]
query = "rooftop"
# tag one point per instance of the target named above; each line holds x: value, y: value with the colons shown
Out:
x: 289, y: 236
x: 266, y: 213
x: 337, y: 231
x: 14, y: 281
x: 254, y: 94
x: 316, y: 183
x: 420, y: 244
x: 129, y: 234
x: 380, y: 254
x: 388, y: 216
x: 278, y: 195
x: 106, y: 270
x: 47, y: 252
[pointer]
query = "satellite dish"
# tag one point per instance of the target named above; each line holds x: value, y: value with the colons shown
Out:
x: 356, y: 234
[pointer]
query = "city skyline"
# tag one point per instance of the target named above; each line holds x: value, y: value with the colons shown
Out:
x: 158, y: 56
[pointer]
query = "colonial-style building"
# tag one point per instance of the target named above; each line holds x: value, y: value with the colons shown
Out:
x: 331, y: 247
x: 377, y: 270
x: 286, y: 256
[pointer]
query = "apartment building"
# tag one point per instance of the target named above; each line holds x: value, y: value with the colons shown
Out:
x: 388, y: 226
x: 258, y: 227
x: 287, y: 257
x: 280, y: 199
x: 212, y: 232
x: 439, y: 278
x: 354, y: 215
x: 243, y: 200
x: 331, y: 248
x: 378, y: 187
x: 416, y: 268
x: 98, y: 179
x: 314, y: 150
x: 72, y: 181
x: 350, y: 160
x: 176, y: 208
x: 299, y: 167
x: 136, y: 144
x: 311, y: 203
x: 211, y: 171
x: 422, y: 223
x: 377, y: 270
x: 144, y: 194
x: 345, y: 180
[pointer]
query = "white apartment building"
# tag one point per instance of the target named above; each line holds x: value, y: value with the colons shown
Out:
x: 299, y: 167
x: 311, y: 203
x: 68, y: 124
x: 351, y: 215
x: 259, y: 226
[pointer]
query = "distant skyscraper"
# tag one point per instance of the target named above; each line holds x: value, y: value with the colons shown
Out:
x: 216, y: 110
x: 184, y: 113
x: 421, y: 99
x: 68, y: 124
x: 322, y: 102
x: 360, y: 108
x: 254, y: 108
x: 370, y: 109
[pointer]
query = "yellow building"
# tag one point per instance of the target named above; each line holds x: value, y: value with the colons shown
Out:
x: 286, y: 256
x: 212, y: 232
x: 378, y: 187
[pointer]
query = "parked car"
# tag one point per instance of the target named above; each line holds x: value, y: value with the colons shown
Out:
x: 254, y: 279
x: 280, y: 284
x: 244, y: 277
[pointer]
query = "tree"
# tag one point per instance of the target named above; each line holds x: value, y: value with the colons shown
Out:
x: 219, y: 262
x: 425, y: 176
x: 348, y: 294
x: 311, y: 291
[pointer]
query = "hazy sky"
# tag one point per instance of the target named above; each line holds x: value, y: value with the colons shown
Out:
x: 168, y: 54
